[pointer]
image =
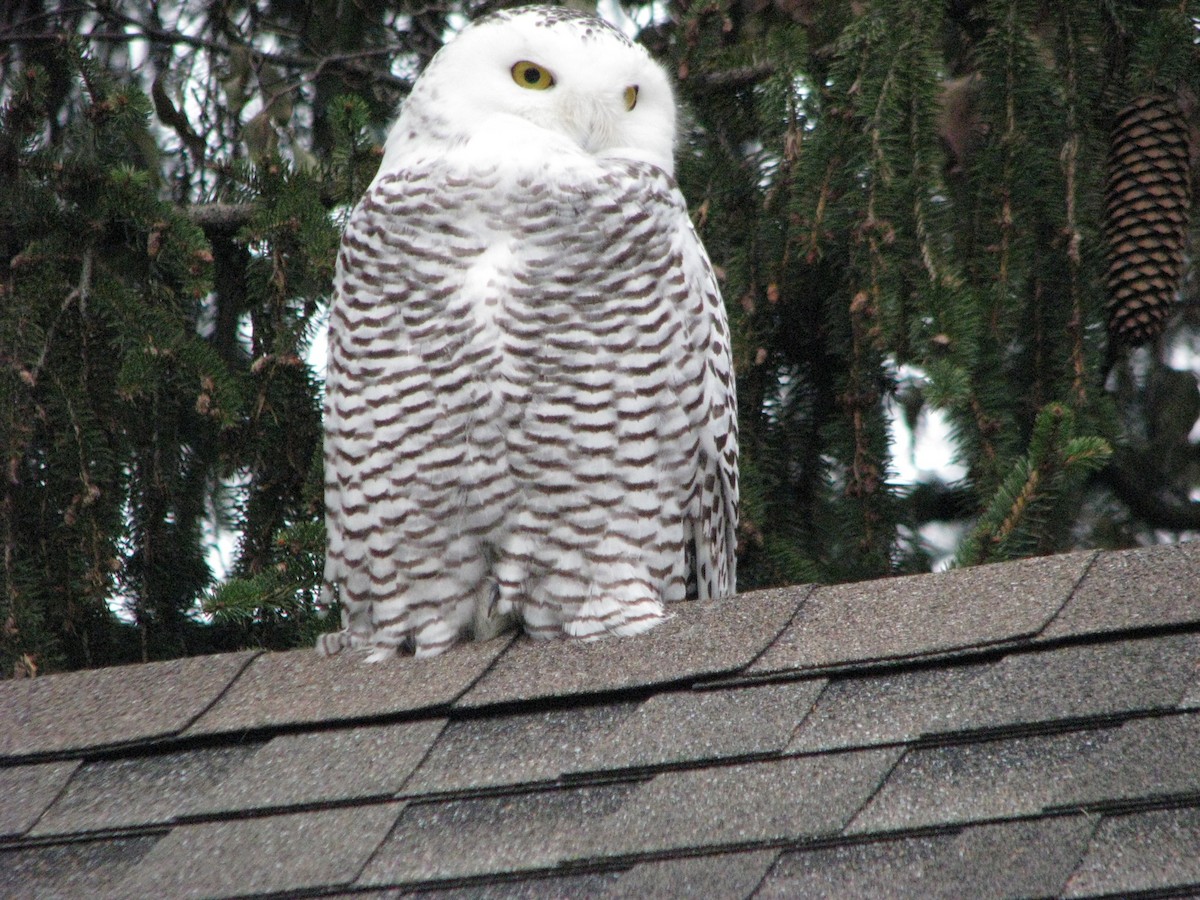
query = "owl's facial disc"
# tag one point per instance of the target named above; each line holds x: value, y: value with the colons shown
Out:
x: 506, y: 78
x: 589, y: 116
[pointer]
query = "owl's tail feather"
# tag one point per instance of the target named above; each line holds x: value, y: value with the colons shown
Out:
x: 335, y: 642
x: 605, y: 615
x: 715, y: 534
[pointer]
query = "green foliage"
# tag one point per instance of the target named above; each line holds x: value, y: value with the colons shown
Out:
x: 904, y: 202
x: 919, y: 193
x: 1022, y: 515
x: 278, y: 606
x: 144, y: 365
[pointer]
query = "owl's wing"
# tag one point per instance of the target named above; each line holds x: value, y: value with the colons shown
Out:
x: 716, y: 512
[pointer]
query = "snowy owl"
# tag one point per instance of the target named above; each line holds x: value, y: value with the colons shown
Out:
x: 529, y: 409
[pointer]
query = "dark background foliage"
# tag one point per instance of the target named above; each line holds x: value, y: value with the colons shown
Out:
x: 906, y: 202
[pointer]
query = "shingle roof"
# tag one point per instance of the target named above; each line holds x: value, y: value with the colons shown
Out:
x: 1025, y: 729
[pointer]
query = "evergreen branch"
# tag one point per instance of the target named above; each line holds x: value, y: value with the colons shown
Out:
x: 1070, y: 157
x: 1129, y: 480
x: 221, y: 218
x: 1019, y: 506
x: 936, y: 501
x: 78, y: 294
x: 1054, y: 464
x: 314, y: 65
x: 224, y: 219
x: 744, y: 76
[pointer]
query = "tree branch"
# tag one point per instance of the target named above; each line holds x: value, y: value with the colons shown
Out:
x: 1145, y: 497
x: 155, y: 35
x: 78, y: 295
x: 745, y: 76
x: 220, y: 218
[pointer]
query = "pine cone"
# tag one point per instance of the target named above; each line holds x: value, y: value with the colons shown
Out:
x: 1148, y: 202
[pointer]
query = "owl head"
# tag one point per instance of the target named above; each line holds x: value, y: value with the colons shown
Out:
x: 533, y: 82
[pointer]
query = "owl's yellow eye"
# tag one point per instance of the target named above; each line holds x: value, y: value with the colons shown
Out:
x: 631, y: 93
x: 532, y: 76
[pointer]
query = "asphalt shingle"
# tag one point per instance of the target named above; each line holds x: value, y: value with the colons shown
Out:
x: 459, y: 838
x: 921, y: 615
x: 513, y: 749
x: 106, y: 707
x: 328, y: 766
x: 590, y: 886
x: 70, y: 871
x: 699, y: 640
x: 1147, y: 758
x: 1062, y: 684
x: 722, y: 876
x: 1148, y: 587
x: 28, y: 791
x: 683, y: 726
x: 274, y: 854
x: 141, y: 791
x: 964, y: 783
x: 1191, y: 700
x: 735, y: 805
x: 1141, y: 852
x: 302, y: 686
x: 1012, y: 859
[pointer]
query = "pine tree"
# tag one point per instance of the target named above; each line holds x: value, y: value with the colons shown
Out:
x: 154, y: 375
x: 914, y: 209
x: 918, y: 219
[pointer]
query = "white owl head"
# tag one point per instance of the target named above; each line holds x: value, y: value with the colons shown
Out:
x: 533, y: 82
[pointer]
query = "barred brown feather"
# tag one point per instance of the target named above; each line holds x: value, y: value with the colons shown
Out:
x: 530, y: 408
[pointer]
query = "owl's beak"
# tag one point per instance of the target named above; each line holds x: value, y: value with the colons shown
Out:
x: 590, y: 120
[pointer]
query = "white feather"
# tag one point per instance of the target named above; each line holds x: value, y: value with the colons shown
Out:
x: 530, y: 410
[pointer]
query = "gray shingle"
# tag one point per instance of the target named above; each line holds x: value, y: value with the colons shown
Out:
x: 1013, y: 859
x: 296, y: 769
x: 521, y: 748
x: 1191, y: 699
x: 1067, y: 683
x: 1145, y: 758
x: 963, y: 783
x: 722, y: 876
x: 136, y: 791
x: 302, y: 686
x: 457, y: 838
x: 1148, y: 758
x: 1134, y: 589
x: 701, y: 639
x: 591, y: 886
x: 271, y: 854
x: 28, y: 790
x: 797, y: 797
x: 686, y: 726
x: 654, y: 766
x: 80, y: 710
x: 1141, y: 852
x: 919, y: 615
x: 84, y: 869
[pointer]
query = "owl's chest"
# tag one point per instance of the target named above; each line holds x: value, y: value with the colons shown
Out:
x: 522, y: 278
x: 514, y: 256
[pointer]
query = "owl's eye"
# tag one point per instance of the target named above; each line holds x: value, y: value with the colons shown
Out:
x: 532, y: 76
x: 631, y: 93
